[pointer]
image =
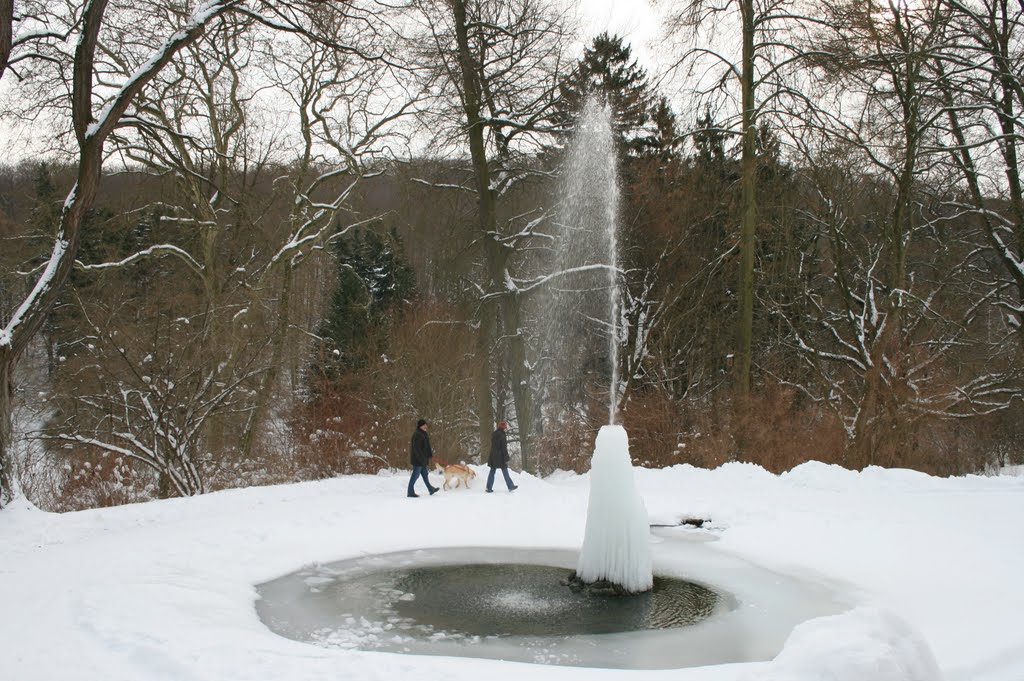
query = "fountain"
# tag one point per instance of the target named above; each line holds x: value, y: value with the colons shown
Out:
x: 577, y: 315
x: 706, y: 607
x: 511, y: 603
x: 616, y: 556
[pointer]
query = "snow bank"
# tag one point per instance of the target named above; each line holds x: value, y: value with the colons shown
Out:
x: 864, y: 644
x: 164, y: 590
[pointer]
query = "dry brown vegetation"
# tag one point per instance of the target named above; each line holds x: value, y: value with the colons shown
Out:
x: 678, y: 408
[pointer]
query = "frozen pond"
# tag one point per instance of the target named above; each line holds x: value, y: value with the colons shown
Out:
x: 707, y: 607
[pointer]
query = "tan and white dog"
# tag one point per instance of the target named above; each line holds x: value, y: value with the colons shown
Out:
x: 457, y: 472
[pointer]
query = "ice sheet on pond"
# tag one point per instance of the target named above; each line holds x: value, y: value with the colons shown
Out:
x: 509, y: 604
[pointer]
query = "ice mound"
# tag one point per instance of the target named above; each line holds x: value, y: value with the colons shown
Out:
x: 616, y: 543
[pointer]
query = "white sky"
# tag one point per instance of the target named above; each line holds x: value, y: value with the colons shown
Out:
x: 634, y: 20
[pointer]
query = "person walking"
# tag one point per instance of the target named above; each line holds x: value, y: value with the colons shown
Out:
x: 499, y: 457
x: 420, y: 453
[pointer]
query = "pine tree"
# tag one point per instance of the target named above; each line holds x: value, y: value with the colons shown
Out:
x: 374, y: 284
x: 64, y: 325
x: 709, y: 139
x: 644, y: 123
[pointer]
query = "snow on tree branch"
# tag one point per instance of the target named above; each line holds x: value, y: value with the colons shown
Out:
x: 152, y: 251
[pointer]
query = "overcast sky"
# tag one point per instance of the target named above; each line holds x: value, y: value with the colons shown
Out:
x: 635, y: 20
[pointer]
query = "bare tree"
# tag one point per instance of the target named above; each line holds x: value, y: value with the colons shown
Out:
x: 499, y: 60
x: 92, y: 122
x: 898, y: 305
x: 349, y: 104
x: 106, y: 37
x: 762, y: 72
x: 146, y: 393
x: 980, y: 76
x: 240, y: 217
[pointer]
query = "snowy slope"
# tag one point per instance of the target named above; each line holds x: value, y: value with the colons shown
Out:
x: 164, y: 590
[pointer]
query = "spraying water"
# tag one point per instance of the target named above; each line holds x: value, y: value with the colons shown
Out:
x: 583, y: 315
x: 579, y: 316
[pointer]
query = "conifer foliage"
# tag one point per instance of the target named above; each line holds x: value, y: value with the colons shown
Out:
x: 374, y: 285
x: 644, y: 122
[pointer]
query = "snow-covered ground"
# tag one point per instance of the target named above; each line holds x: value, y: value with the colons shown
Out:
x: 165, y: 590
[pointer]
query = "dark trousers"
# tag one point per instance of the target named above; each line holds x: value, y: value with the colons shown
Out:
x: 419, y: 471
x: 504, y: 471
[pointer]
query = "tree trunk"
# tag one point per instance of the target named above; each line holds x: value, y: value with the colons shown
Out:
x: 962, y: 157
x: 485, y: 406
x: 494, y: 251
x: 6, y: 434
x: 6, y: 33
x: 268, y: 383
x: 748, y: 229
x: 519, y: 374
x: 748, y: 224
x: 29, y: 318
x: 1009, y: 124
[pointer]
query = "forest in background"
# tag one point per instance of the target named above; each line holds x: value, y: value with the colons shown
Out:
x: 823, y: 258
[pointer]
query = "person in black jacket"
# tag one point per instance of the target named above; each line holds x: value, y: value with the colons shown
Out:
x: 499, y: 457
x: 420, y: 453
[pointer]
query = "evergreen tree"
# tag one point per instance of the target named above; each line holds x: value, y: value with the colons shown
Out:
x: 64, y: 326
x: 709, y: 139
x: 46, y: 204
x: 666, y: 139
x: 644, y: 122
x: 374, y: 283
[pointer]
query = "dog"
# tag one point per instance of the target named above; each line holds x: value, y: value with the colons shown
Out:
x: 457, y: 472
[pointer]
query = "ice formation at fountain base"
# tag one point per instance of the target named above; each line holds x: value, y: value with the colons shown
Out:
x: 616, y: 543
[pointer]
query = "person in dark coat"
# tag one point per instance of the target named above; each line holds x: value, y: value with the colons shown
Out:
x: 420, y: 453
x: 499, y: 457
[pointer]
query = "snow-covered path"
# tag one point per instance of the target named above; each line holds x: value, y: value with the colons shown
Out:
x: 165, y: 590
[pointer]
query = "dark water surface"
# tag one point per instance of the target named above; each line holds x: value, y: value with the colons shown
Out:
x: 510, y: 600
x: 509, y: 604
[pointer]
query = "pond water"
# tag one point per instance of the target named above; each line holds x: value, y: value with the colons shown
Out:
x: 706, y: 607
